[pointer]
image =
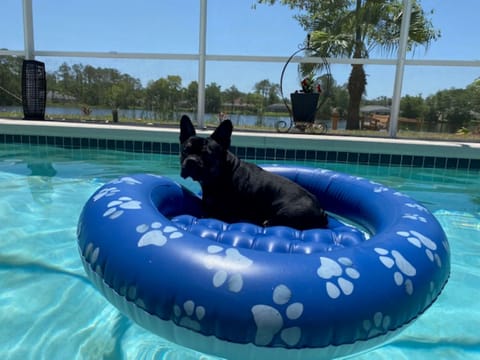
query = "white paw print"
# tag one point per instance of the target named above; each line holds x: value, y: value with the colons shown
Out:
x: 339, y: 273
x: 126, y: 180
x: 154, y: 235
x: 105, y: 192
x: 357, y: 178
x: 416, y: 207
x: 269, y: 321
x: 228, y: 265
x: 419, y: 241
x: 116, y: 207
x: 403, y: 268
x: 379, y: 187
x: 189, y: 315
x: 379, y: 325
x: 414, y: 217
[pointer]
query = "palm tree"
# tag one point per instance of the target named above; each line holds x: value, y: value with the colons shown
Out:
x: 354, y: 29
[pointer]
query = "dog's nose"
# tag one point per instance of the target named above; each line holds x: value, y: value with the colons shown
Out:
x: 189, y: 168
x: 183, y: 173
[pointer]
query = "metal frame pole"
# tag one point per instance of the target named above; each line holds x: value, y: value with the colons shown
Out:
x: 202, y: 52
x: 400, y: 68
x: 28, y: 30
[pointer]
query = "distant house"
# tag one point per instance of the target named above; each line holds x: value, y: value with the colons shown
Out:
x: 374, y: 117
x: 375, y: 109
x: 56, y: 96
x: 238, y: 104
x: 278, y: 107
x: 377, y: 117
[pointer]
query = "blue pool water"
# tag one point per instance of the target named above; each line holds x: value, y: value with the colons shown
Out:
x: 49, y: 309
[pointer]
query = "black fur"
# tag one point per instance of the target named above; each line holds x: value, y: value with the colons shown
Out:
x: 234, y: 190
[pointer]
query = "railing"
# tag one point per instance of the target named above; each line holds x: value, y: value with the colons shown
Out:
x: 202, y: 58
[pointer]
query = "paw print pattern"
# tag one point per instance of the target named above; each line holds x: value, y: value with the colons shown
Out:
x: 189, y: 315
x: 230, y: 259
x: 339, y: 275
x: 414, y: 217
x: 116, y: 208
x: 420, y: 241
x: 154, y: 235
x: 111, y: 191
x: 403, y: 269
x: 269, y: 320
x: 378, y: 325
x: 416, y: 207
x: 356, y: 178
x: 126, y: 180
x: 379, y: 188
x: 105, y: 192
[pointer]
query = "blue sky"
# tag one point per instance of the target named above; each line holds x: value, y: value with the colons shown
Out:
x: 233, y: 28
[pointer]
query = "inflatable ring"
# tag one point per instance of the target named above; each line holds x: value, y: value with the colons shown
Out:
x: 244, y: 292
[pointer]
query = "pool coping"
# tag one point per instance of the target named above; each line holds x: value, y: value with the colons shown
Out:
x: 251, y: 145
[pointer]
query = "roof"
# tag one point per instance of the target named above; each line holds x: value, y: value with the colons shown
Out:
x: 375, y: 109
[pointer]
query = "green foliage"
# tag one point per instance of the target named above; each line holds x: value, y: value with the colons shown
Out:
x: 10, y: 80
x: 453, y: 107
x: 93, y: 86
x: 87, y: 87
x: 412, y: 107
x: 354, y: 29
x: 213, y: 98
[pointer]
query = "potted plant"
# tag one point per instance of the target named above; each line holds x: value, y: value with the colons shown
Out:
x: 305, y: 101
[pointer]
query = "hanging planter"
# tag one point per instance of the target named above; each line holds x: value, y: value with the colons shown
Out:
x: 304, y: 106
x: 305, y: 103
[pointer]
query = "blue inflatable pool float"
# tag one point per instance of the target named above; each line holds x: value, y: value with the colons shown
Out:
x: 245, y: 292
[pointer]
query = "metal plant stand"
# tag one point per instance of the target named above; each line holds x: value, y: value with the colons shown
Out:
x: 304, y: 105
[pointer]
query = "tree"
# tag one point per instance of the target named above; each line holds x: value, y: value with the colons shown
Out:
x: 10, y: 80
x: 213, y: 98
x: 451, y: 106
x: 412, y: 107
x: 163, y: 95
x: 65, y: 79
x: 268, y: 91
x: 354, y: 29
x: 124, y: 92
x: 473, y: 92
x: 191, y: 95
x: 231, y: 95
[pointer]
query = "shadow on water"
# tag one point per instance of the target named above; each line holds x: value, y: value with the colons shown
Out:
x: 18, y: 263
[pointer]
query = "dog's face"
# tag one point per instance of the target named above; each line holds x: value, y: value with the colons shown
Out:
x: 202, y: 158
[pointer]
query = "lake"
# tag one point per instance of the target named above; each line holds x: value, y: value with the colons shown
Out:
x: 241, y: 120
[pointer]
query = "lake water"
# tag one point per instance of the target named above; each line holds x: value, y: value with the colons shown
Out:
x: 138, y: 114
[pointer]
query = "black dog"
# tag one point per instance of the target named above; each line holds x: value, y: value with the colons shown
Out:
x: 234, y: 190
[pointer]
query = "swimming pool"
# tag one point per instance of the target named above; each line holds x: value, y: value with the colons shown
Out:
x: 53, y: 311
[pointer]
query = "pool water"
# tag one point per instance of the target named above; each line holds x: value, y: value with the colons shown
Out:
x: 50, y: 310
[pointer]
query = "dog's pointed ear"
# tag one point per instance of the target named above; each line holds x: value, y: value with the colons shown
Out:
x: 186, y: 129
x: 223, y: 133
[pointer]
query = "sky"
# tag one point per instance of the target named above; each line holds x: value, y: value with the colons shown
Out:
x: 234, y: 27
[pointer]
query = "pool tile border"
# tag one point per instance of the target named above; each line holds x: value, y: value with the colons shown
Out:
x: 251, y: 152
